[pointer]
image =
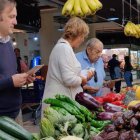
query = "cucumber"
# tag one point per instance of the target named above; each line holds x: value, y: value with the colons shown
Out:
x: 11, y: 127
x: 5, y: 136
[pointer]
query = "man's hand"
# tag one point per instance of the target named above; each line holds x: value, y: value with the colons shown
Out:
x: 30, y: 79
x: 19, y: 79
x: 90, y: 89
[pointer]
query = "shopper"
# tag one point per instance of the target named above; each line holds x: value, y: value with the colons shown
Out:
x: 111, y: 65
x: 118, y: 75
x: 21, y: 65
x: 63, y: 74
x: 91, y: 57
x: 10, y: 82
x: 127, y: 71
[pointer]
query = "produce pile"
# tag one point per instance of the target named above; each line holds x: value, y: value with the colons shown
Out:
x: 132, y: 29
x: 125, y: 126
x: 66, y: 117
x: 10, y: 130
x: 81, y: 8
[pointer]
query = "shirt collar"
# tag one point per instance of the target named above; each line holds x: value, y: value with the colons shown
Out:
x: 4, y: 39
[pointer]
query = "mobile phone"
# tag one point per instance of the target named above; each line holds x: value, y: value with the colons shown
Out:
x: 34, y: 69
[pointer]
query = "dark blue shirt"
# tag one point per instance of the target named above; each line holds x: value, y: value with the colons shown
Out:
x: 10, y: 97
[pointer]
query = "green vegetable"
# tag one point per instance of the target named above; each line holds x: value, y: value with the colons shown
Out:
x: 46, y: 128
x: 5, y: 136
x: 71, y: 138
x: 36, y: 136
x: 94, y: 129
x: 53, y: 116
x: 83, y: 109
x: 78, y: 130
x: 48, y: 138
x: 99, y: 124
x: 11, y: 127
x: 70, y: 108
x: 65, y: 115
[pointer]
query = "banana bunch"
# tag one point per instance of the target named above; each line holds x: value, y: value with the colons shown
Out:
x: 132, y: 29
x: 81, y: 8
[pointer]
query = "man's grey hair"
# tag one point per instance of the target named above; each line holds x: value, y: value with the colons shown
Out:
x: 91, y: 43
x: 3, y: 3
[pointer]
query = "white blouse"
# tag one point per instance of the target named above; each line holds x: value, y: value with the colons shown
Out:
x: 63, y: 75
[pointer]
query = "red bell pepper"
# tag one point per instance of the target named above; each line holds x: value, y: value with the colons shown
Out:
x: 118, y: 103
x: 100, y: 99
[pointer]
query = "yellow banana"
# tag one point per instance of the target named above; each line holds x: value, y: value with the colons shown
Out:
x: 137, y: 31
x: 92, y: 5
x: 67, y: 8
x: 132, y: 25
x: 84, y: 6
x: 72, y: 13
x: 77, y: 9
x: 98, y: 4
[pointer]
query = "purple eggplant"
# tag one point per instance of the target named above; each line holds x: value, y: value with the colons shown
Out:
x: 112, y: 108
x: 105, y: 115
x: 87, y: 100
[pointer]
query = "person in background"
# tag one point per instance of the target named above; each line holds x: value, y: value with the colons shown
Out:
x: 127, y: 71
x: 118, y: 74
x: 111, y: 65
x: 21, y: 65
x: 10, y: 81
x: 64, y: 70
x: 91, y: 57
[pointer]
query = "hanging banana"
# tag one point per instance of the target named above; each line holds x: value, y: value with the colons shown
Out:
x: 92, y: 5
x: 86, y: 10
x: 98, y: 4
x: 67, y: 8
x: 77, y: 9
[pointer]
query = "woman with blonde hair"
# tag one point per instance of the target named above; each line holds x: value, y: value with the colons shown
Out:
x: 63, y: 75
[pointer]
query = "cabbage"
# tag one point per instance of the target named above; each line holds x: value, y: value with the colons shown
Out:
x: 78, y: 130
x: 71, y: 138
x: 52, y: 115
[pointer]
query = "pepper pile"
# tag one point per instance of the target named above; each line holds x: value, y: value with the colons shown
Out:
x: 113, y: 98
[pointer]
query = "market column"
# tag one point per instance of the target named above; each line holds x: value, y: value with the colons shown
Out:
x: 48, y: 35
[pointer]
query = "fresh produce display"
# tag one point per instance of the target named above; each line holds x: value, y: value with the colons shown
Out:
x: 66, y: 117
x: 10, y: 130
x: 132, y: 29
x: 81, y: 8
x: 125, y: 126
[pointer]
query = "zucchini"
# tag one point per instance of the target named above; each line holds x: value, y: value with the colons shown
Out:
x: 5, y: 136
x: 11, y: 127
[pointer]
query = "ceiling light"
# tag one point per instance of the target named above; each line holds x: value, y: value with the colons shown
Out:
x: 112, y: 19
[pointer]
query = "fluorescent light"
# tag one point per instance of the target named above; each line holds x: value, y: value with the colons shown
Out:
x: 112, y: 19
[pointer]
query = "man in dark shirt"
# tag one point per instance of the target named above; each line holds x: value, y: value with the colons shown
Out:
x: 111, y: 65
x: 10, y: 81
